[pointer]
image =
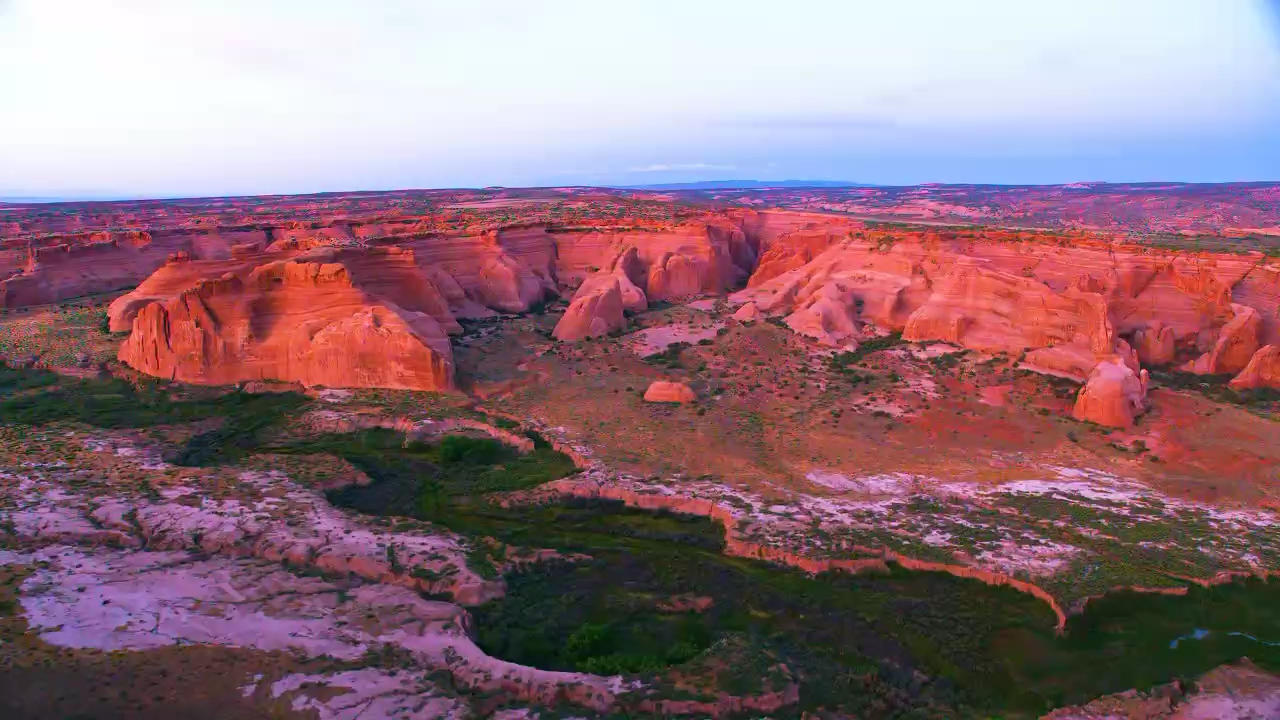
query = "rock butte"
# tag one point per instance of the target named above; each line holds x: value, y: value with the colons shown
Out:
x: 370, y: 302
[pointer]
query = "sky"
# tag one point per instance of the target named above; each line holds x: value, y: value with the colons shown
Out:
x: 214, y: 97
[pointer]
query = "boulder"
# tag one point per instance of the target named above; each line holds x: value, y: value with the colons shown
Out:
x: 669, y: 392
x: 1263, y: 370
x: 748, y: 313
x: 1113, y: 396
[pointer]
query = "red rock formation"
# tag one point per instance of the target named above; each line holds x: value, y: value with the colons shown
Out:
x: 829, y: 316
x: 748, y: 313
x: 508, y: 284
x: 1155, y: 344
x: 1236, y: 343
x: 672, y: 392
x: 1263, y: 370
x: 293, y: 320
x: 1062, y: 298
x: 1113, y: 396
x: 981, y: 308
x: 596, y: 310
x: 597, y: 307
x: 675, y: 276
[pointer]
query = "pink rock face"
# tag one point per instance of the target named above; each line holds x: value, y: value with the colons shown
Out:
x: 1113, y: 396
x: 829, y: 316
x: 599, y: 304
x: 596, y: 310
x: 1235, y: 346
x: 1063, y: 303
x: 978, y: 307
x: 675, y: 276
x: 630, y: 273
x: 509, y: 285
x: 1155, y: 344
x: 748, y: 313
x: 290, y: 320
x: 671, y: 392
x: 1263, y: 370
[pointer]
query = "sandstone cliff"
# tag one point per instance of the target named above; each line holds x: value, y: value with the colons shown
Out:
x: 1064, y: 302
x: 297, y: 320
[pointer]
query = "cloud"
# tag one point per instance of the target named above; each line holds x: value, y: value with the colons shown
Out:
x: 679, y: 167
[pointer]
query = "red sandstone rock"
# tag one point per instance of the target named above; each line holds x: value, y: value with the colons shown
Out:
x: 748, y: 313
x: 508, y: 284
x: 595, y: 310
x: 1155, y: 344
x: 598, y: 305
x: 1262, y: 371
x: 1235, y: 346
x: 829, y: 316
x: 290, y: 320
x: 673, y: 392
x: 979, y: 307
x: 1113, y: 396
x: 675, y: 276
x: 988, y: 289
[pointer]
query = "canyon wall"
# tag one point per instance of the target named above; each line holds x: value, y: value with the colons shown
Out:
x: 1062, y: 304
x: 351, y: 306
x: 1063, y: 307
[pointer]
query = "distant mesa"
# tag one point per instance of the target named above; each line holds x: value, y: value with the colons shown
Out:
x: 748, y: 184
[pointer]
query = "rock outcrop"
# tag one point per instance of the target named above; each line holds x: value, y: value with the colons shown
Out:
x: 1236, y: 343
x: 306, y: 320
x: 80, y: 264
x: 599, y: 305
x: 748, y: 313
x: 1063, y: 298
x: 829, y: 316
x: 596, y: 310
x: 979, y: 307
x: 675, y: 276
x: 1155, y: 344
x: 1242, y: 691
x: 1263, y: 370
x: 1113, y: 396
x: 669, y: 392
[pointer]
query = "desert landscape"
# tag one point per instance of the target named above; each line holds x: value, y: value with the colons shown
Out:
x: 925, y: 451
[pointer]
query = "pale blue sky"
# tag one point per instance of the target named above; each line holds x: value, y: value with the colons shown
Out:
x: 181, y: 97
